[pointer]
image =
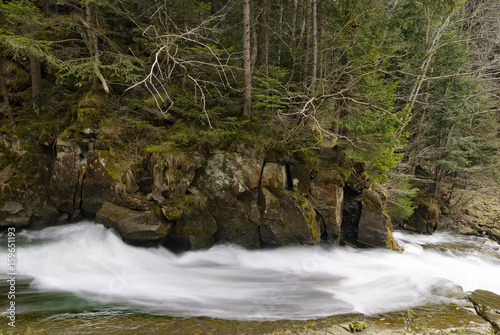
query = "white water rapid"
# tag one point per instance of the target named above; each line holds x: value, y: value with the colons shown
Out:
x: 229, y: 282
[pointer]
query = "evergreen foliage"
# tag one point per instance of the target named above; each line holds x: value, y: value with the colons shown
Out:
x: 390, y: 86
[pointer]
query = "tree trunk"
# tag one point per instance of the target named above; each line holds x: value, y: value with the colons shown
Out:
x: 247, y: 70
x: 307, y: 37
x: 263, y: 45
x: 36, y: 83
x: 95, y: 50
x: 3, y: 86
x: 314, y: 45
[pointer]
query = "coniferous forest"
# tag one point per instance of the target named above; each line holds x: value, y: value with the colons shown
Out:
x: 395, y: 90
x: 192, y: 123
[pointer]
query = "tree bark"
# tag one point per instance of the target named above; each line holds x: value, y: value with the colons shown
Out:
x: 36, y: 83
x: 95, y: 50
x: 247, y: 70
x: 263, y: 45
x: 3, y: 86
x: 314, y: 44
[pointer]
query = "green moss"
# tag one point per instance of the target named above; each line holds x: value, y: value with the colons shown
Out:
x: 92, y: 108
x: 175, y: 208
x: 372, y: 199
x: 21, y: 79
x: 117, y: 163
x: 71, y: 132
x: 309, y: 213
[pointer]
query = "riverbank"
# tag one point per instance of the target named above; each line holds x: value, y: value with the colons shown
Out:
x: 475, y: 212
x: 441, y: 319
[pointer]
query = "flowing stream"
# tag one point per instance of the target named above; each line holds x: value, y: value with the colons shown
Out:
x: 85, y: 268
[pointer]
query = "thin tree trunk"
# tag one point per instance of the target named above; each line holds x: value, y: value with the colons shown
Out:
x: 94, y: 45
x: 247, y: 70
x: 5, y: 94
x: 36, y: 83
x: 314, y: 45
x: 432, y: 48
x: 307, y: 31
x: 263, y: 32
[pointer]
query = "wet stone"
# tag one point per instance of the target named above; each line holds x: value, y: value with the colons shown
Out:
x: 487, y: 305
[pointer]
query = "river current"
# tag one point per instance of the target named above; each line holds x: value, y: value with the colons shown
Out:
x: 85, y: 267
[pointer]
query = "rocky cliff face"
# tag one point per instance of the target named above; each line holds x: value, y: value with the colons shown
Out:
x: 187, y: 200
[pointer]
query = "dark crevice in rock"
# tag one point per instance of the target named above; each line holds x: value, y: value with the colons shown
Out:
x: 324, y: 233
x: 75, y: 193
x: 261, y: 204
x: 81, y: 179
x: 288, y: 178
x: 351, y: 214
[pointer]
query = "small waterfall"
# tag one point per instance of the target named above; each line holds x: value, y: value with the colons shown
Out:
x: 301, y: 282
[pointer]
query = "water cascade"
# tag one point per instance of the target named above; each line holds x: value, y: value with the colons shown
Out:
x: 93, y: 265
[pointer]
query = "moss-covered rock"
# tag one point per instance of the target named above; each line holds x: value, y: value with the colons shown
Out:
x: 134, y: 226
x: 375, y: 227
x: 91, y: 109
x: 487, y: 305
x: 327, y: 198
x: 195, y: 229
x: 425, y: 217
x: 288, y: 218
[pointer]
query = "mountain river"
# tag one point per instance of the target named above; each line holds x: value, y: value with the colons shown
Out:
x: 82, y: 277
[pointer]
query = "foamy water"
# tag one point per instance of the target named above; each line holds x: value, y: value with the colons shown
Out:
x: 229, y: 282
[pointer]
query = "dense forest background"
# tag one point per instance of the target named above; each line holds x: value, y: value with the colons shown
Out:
x: 404, y: 92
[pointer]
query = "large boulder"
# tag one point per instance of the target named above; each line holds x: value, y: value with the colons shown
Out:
x: 24, y: 180
x: 66, y: 176
x: 13, y: 214
x: 133, y: 226
x: 80, y: 181
x: 247, y: 198
x: 99, y: 187
x: 374, y: 227
x: 288, y: 218
x: 487, y: 305
x: 195, y: 229
x: 327, y: 199
x: 229, y: 181
x: 425, y: 217
x: 172, y: 173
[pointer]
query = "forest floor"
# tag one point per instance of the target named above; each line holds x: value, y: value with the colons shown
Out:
x: 478, y: 213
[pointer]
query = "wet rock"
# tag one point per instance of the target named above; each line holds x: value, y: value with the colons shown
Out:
x: 13, y: 214
x: 466, y: 231
x: 64, y: 181
x: 327, y: 199
x: 487, y: 305
x: 425, y: 217
x: 11, y: 207
x: 98, y: 186
x: 273, y: 175
x: 62, y: 219
x: 495, y: 233
x: 233, y: 220
x: 133, y: 226
x: 448, y: 289
x: 288, y: 218
x: 300, y: 179
x: 374, y: 228
x: 229, y: 182
x: 43, y: 216
x: 196, y: 229
x: 231, y: 172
